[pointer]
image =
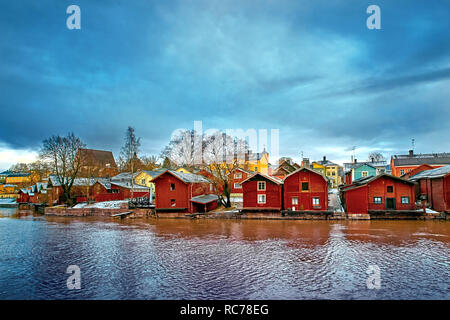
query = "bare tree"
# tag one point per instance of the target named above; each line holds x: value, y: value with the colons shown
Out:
x: 129, y: 154
x: 150, y: 162
x: 19, y: 167
x: 376, y: 157
x: 62, y: 155
x: 219, y: 155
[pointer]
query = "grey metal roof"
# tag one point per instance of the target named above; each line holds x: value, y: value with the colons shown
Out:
x: 270, y: 178
x: 188, y: 177
x: 154, y: 173
x: 77, y: 181
x: 126, y: 185
x: 206, y: 198
x: 432, y: 173
x: 418, y: 159
x: 123, y: 176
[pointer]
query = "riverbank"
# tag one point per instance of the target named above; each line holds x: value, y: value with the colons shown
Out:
x: 122, y: 211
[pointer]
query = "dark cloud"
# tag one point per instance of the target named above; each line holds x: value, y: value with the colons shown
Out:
x: 311, y: 69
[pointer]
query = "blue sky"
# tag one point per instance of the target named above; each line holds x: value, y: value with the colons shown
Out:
x: 311, y: 69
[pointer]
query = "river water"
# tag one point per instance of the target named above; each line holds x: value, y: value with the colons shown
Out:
x: 222, y: 259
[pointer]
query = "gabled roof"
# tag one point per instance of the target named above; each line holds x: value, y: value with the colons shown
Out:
x: 185, y: 177
x: 307, y: 169
x: 364, y: 181
x: 270, y: 178
x: 101, y: 158
x: 152, y: 174
x: 433, y: 173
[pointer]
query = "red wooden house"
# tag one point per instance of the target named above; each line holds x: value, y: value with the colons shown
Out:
x: 105, y: 190
x: 237, y: 176
x: 305, y: 189
x: 380, y: 193
x: 184, y: 192
x: 434, y: 187
x: 262, y: 192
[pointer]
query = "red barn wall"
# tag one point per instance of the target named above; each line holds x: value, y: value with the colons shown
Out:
x: 163, y: 194
x: 356, y: 200
x: 318, y: 187
x: 378, y: 188
x: 272, y: 192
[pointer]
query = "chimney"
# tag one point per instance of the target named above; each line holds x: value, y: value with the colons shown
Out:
x: 351, y: 159
x: 305, y: 163
x: 411, y: 153
x: 356, y: 160
x: 324, y: 158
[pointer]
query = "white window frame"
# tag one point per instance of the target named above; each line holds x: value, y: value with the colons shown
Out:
x: 238, y: 175
x: 318, y: 201
x: 237, y: 185
x: 364, y: 172
x: 294, y: 200
x: 264, y: 183
x: 381, y: 200
x: 263, y: 196
x: 404, y: 197
x: 402, y: 172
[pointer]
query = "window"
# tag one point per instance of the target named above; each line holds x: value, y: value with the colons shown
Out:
x: 172, y: 186
x: 405, y: 200
x: 294, y: 200
x: 305, y: 186
x: 237, y: 185
x: 390, y: 189
x: 172, y: 202
x: 238, y: 175
x: 261, y: 198
x: 143, y: 181
x: 261, y: 185
x: 256, y: 169
x: 377, y: 200
x: 402, y: 172
x: 364, y: 173
x: 315, y: 201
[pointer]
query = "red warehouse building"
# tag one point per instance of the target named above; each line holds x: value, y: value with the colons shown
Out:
x: 380, y: 193
x: 184, y: 192
x: 434, y: 187
x: 237, y: 176
x: 305, y: 189
x: 104, y: 190
x: 262, y: 192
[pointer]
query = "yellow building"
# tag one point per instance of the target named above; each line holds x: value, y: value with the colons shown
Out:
x: 181, y: 169
x: 18, y: 178
x: 145, y: 177
x: 257, y: 162
x: 329, y: 169
x: 8, y: 191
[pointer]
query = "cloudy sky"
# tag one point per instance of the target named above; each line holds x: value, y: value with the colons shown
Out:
x: 311, y: 69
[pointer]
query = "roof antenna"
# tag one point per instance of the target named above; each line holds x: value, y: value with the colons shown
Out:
x: 412, y: 144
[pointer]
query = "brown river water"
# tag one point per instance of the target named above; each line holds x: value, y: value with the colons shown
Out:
x: 222, y: 259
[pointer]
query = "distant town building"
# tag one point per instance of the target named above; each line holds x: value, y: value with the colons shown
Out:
x: 97, y: 163
x: 329, y: 169
x: 401, y: 164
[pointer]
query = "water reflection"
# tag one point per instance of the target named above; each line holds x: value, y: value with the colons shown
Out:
x: 222, y: 259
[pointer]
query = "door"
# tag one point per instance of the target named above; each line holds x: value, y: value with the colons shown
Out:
x: 390, y: 203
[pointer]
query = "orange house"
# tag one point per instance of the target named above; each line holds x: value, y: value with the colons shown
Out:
x: 403, y: 164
